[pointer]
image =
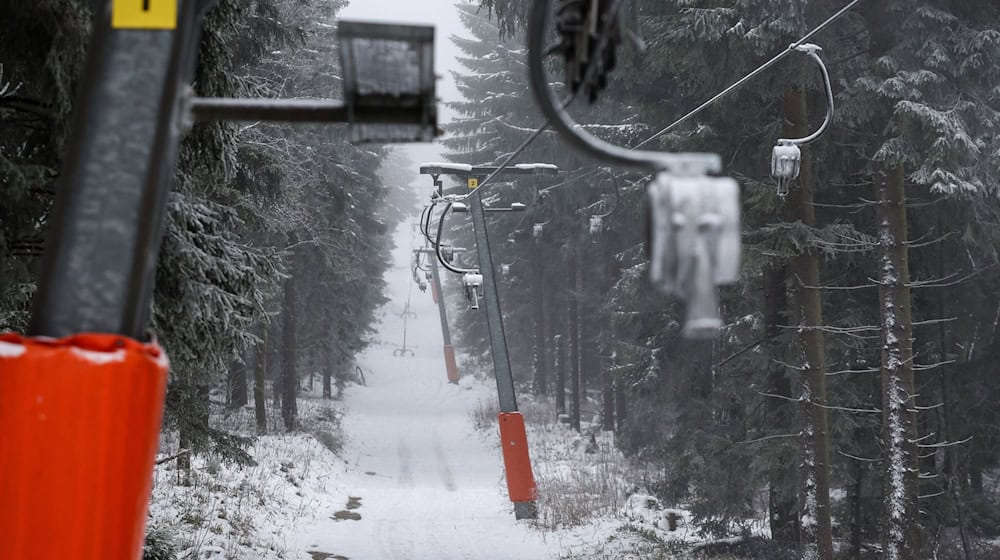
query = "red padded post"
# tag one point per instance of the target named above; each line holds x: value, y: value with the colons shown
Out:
x: 450, y: 364
x: 79, y: 425
x: 516, y: 460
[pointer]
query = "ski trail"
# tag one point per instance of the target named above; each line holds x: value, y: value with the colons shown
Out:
x: 444, y: 468
x: 438, y: 489
x: 405, y: 474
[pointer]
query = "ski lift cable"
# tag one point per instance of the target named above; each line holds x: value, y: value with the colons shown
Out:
x: 794, y: 46
x: 791, y: 48
x: 777, y: 58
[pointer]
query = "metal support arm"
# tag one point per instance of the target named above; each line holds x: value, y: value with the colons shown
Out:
x: 681, y: 164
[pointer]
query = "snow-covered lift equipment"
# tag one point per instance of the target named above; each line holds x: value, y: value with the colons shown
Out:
x: 597, y: 220
x: 688, y: 173
x: 451, y: 364
x: 406, y: 315
x: 473, y: 288
x: 786, y: 157
x: 538, y: 228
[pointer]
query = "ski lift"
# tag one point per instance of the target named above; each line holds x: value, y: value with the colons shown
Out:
x: 406, y: 315
x: 696, y: 220
x: 786, y: 157
x: 473, y: 288
x: 597, y: 220
x: 422, y: 286
x: 695, y: 244
x: 538, y: 229
x: 428, y: 276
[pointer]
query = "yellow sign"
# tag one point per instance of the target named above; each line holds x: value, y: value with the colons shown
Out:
x: 144, y: 14
x: 473, y: 183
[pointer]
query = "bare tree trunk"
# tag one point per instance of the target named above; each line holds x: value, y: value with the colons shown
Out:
x: 289, y: 377
x: 902, y: 524
x: 782, y: 494
x: 560, y: 388
x: 184, y: 441
x: 237, y: 384
x: 540, y: 359
x: 607, y: 398
x: 327, y: 385
x: 621, y: 402
x: 816, y: 534
x: 855, y: 500
x: 259, y: 370
x: 574, y: 343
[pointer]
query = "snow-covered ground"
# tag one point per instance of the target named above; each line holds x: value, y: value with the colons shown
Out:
x: 429, y: 485
x: 413, y: 477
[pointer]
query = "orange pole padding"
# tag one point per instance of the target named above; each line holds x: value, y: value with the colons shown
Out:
x: 434, y: 292
x: 79, y: 428
x: 520, y: 480
x: 450, y: 364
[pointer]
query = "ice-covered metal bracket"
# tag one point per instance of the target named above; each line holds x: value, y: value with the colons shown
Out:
x: 473, y: 288
x: 695, y: 243
x: 786, y: 158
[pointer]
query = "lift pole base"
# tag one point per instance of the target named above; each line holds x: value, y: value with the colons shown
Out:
x: 517, y: 462
x: 79, y: 429
x: 450, y: 364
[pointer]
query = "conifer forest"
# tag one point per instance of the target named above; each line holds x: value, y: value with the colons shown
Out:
x: 845, y: 404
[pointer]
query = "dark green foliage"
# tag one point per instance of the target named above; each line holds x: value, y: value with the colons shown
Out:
x: 159, y: 545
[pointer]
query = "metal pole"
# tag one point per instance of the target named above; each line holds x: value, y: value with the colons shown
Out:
x: 516, y: 460
x: 451, y: 365
x: 442, y: 310
x: 107, y: 223
x: 494, y: 321
x: 82, y: 381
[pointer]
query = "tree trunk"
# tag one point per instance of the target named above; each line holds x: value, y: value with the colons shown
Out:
x: 184, y: 441
x: 237, y: 385
x: 607, y: 397
x: 327, y: 385
x: 901, y: 529
x: 574, y: 344
x: 782, y: 487
x: 621, y: 403
x: 540, y: 359
x: 289, y: 377
x: 560, y: 388
x: 855, y: 501
x: 259, y: 370
x: 275, y: 361
x: 817, y: 533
